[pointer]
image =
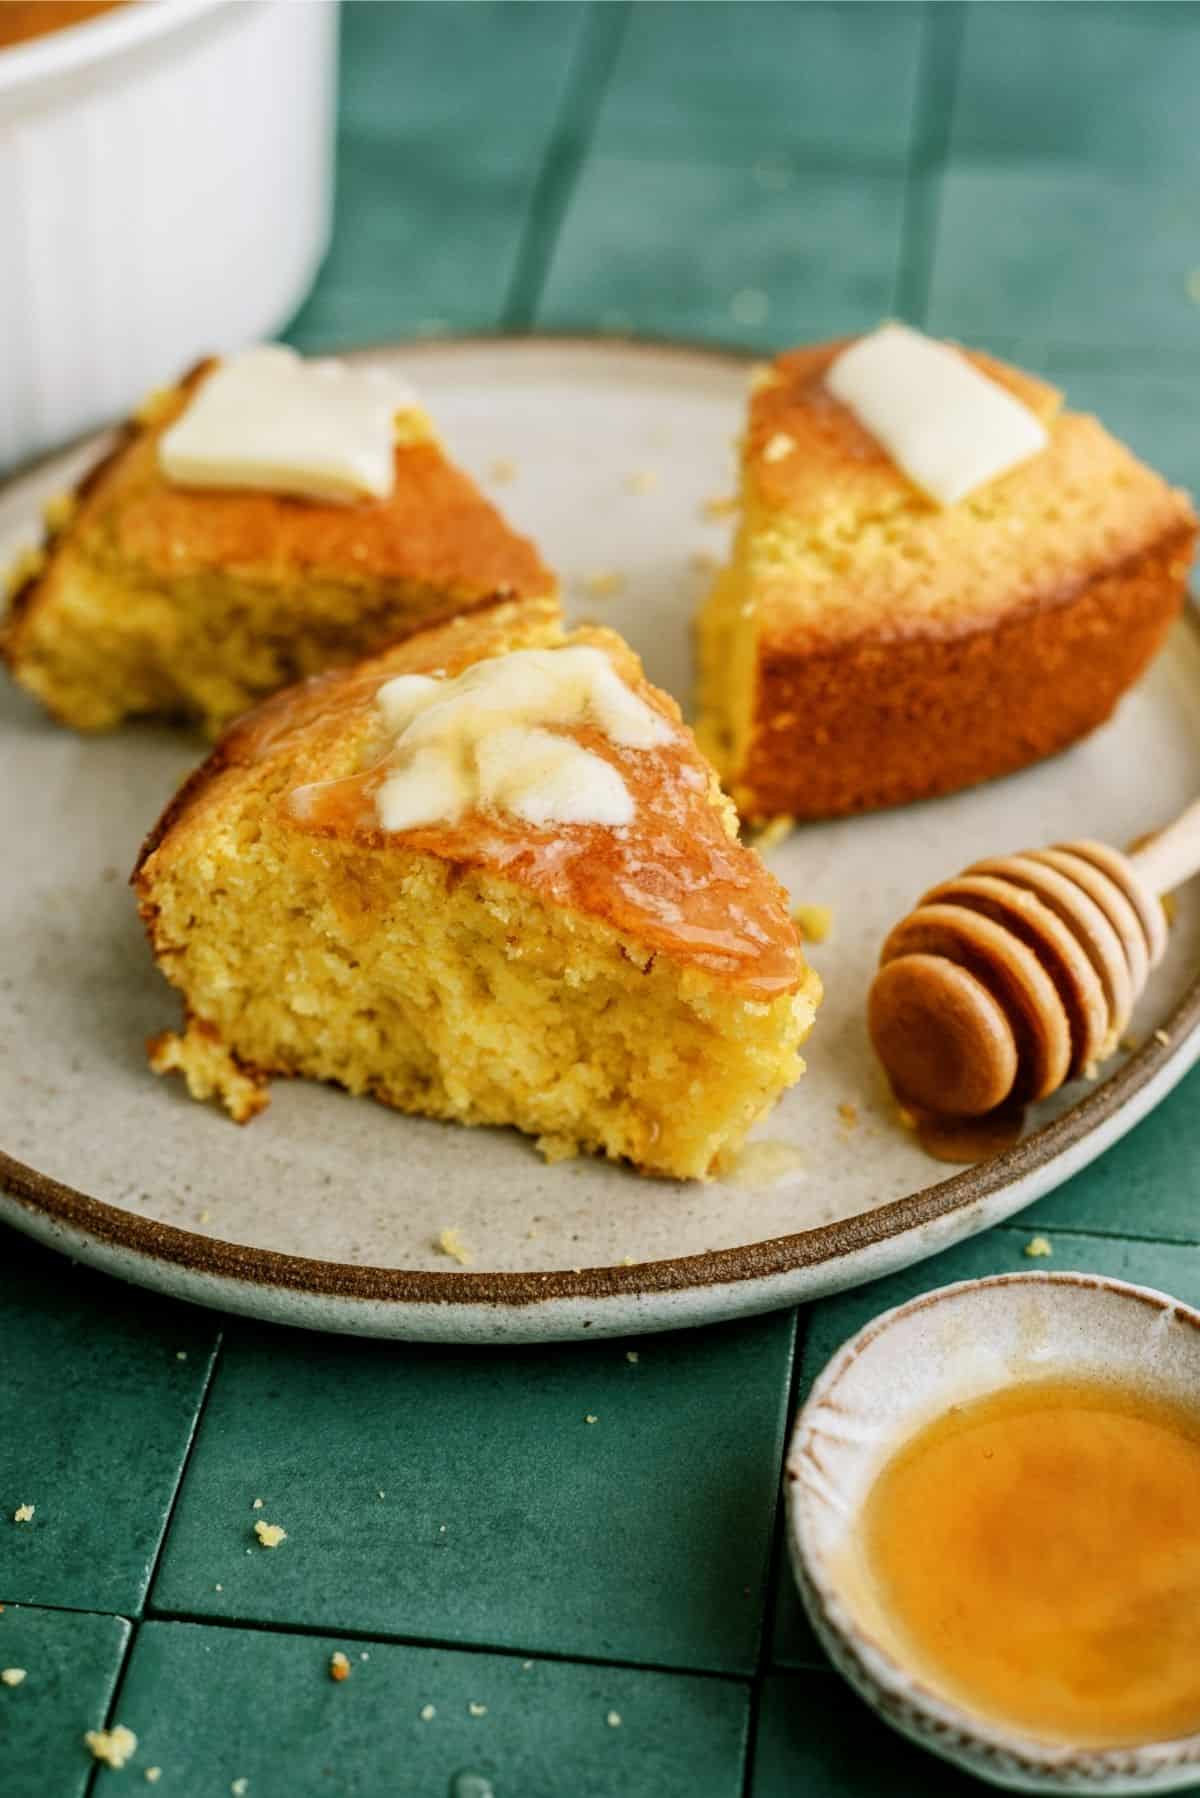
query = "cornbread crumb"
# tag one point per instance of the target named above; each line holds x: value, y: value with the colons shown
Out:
x: 112, y: 1746
x: 449, y: 1242
x: 779, y: 447
x: 427, y: 1713
x: 477, y: 1710
x: 339, y: 1665
x: 210, y: 1070
x: 603, y: 582
x: 1038, y: 1247
x: 257, y: 1505
x: 773, y: 832
x: 13, y: 1676
x: 814, y: 922
x: 848, y: 1112
x: 642, y: 480
x: 750, y: 306
x: 218, y: 1587
x: 556, y: 1148
x: 238, y: 1787
x: 153, y: 1775
x: 613, y: 1719
x: 1160, y: 1036
x: 24, y: 1513
x: 364, y: 1656
x: 591, y: 1417
x: 58, y: 512
x: 720, y: 506
x: 526, y: 1665
x: 503, y: 469
x: 270, y: 1534
x: 181, y: 1354
x: 631, y: 1355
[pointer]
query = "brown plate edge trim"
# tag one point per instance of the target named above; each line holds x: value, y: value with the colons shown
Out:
x: 771, y: 1258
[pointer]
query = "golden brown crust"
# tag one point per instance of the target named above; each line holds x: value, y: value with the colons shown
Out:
x: 434, y: 547
x: 875, y: 723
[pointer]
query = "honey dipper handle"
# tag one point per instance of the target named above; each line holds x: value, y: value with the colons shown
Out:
x: 1172, y: 856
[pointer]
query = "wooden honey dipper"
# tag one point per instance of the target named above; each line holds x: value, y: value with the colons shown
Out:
x: 1022, y: 972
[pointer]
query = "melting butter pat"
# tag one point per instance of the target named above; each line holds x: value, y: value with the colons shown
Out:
x: 271, y: 420
x: 492, y: 739
x: 949, y: 428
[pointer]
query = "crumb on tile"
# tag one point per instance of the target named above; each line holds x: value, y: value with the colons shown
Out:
x: 24, y: 1513
x: 631, y: 1355
x: 364, y: 1656
x: 181, y: 1354
x: 526, y: 1665
x: 153, y: 1775
x: 270, y: 1534
x: 449, y: 1242
x: 1038, y: 1247
x: 427, y: 1713
x: 218, y: 1587
x: 814, y: 922
x: 591, y: 1417
x: 477, y: 1710
x: 779, y: 447
x: 13, y: 1676
x: 613, y: 1719
x: 239, y: 1786
x: 257, y: 1505
x: 339, y: 1665
x: 603, y: 582
x: 112, y: 1746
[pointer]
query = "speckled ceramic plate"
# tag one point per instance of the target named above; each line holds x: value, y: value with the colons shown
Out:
x: 325, y: 1210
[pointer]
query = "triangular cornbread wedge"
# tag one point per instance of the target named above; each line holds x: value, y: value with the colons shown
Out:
x: 150, y: 598
x: 637, y: 991
x: 867, y: 648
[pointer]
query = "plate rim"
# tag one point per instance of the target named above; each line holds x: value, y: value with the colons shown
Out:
x: 862, y: 1236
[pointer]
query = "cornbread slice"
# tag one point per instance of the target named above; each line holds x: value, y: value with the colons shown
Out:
x: 865, y: 648
x: 637, y: 990
x: 150, y: 598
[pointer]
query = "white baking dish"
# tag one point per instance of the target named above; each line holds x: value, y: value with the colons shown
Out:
x: 165, y: 190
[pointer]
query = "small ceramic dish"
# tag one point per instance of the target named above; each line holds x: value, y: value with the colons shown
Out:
x: 902, y: 1370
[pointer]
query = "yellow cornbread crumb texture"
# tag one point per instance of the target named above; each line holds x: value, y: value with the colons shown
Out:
x: 13, y: 1676
x: 112, y: 1746
x: 449, y: 1242
x: 457, y: 995
x: 270, y: 1534
x: 339, y: 1665
x: 24, y: 1514
x: 1037, y: 1247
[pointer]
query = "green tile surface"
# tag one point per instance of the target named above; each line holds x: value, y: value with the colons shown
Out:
x: 1112, y: 86
x: 507, y: 1518
x: 212, y: 1705
x: 798, y: 82
x: 71, y: 1660
x: 96, y: 1412
x: 704, y: 249
x: 1043, y: 257
x: 1019, y: 174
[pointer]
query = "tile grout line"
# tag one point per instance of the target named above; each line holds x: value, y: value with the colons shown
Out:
x: 942, y: 30
x: 135, y: 1621
x: 587, y: 81
x: 445, y: 1645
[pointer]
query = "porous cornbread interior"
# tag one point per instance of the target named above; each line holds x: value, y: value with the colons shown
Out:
x: 854, y: 608
x: 439, y: 983
x: 154, y: 599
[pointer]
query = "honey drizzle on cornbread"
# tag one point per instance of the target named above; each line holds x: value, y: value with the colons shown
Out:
x: 675, y: 877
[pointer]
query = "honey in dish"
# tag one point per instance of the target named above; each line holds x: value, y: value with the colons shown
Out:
x: 1037, y: 1552
x: 21, y: 20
